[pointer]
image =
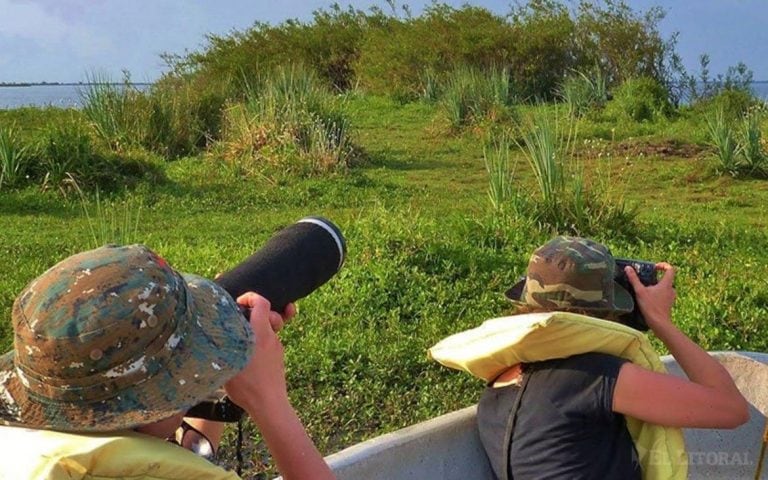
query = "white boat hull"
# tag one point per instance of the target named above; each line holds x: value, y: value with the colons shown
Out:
x: 448, y: 447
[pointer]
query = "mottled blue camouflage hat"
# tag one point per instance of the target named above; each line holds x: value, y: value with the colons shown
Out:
x: 572, y: 273
x: 113, y: 338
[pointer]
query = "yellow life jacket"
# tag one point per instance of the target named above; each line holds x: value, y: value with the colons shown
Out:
x: 497, y: 344
x: 27, y: 454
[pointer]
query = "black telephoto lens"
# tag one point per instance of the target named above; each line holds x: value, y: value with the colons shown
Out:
x: 292, y: 264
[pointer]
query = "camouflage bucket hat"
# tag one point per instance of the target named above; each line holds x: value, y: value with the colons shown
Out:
x: 113, y: 338
x: 571, y: 273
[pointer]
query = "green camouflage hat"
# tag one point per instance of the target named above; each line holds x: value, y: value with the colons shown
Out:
x: 113, y: 338
x: 571, y: 273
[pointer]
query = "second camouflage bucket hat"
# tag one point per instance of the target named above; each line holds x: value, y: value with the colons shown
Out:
x: 113, y: 338
x: 572, y: 273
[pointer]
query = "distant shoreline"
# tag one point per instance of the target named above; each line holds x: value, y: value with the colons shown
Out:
x: 65, y: 84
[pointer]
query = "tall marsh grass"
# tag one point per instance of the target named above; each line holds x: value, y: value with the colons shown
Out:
x: 471, y: 95
x: 14, y: 157
x: 66, y: 150
x: 753, y: 156
x: 173, y: 118
x: 501, y: 190
x: 545, y: 145
x: 582, y: 92
x: 108, y: 107
x: 290, y: 121
x: 566, y: 201
x: 114, y: 222
x: 723, y: 138
x: 430, y: 88
x: 739, y: 149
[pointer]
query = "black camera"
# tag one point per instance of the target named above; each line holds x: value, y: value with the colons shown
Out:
x: 646, y: 273
x: 294, y: 262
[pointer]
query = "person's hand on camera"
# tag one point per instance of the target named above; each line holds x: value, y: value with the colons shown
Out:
x: 260, y: 389
x: 655, y: 301
x: 263, y: 379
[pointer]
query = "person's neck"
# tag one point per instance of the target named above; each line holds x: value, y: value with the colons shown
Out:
x: 164, y: 429
x: 511, y: 376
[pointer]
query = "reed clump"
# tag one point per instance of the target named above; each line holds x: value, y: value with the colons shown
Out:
x: 287, y: 121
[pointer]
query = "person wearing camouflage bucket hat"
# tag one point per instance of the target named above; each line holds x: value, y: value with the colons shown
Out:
x: 114, y: 340
x: 565, y: 416
x: 570, y: 273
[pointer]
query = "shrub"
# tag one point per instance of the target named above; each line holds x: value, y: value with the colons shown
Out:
x: 733, y: 103
x: 542, y: 48
x: 626, y: 44
x: 641, y: 99
x: 328, y: 45
x: 394, y: 55
x: 66, y: 153
x: 181, y: 117
x: 700, y: 89
x: 539, y: 43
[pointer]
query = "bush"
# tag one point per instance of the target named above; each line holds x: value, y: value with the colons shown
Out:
x: 328, y: 45
x: 733, y: 103
x: 542, y: 48
x: 395, y: 54
x: 180, y: 117
x: 737, y: 81
x: 641, y: 99
x: 626, y: 44
x: 538, y: 43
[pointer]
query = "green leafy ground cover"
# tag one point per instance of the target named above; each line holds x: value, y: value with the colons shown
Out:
x: 427, y: 255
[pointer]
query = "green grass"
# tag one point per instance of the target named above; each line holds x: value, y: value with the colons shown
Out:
x: 428, y: 256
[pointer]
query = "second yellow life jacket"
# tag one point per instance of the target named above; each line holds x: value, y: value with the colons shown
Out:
x: 499, y: 343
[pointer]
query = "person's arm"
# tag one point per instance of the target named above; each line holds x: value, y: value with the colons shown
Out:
x: 210, y: 430
x: 709, y: 399
x: 260, y: 389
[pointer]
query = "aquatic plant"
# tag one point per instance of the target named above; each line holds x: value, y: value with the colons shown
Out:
x: 14, y: 157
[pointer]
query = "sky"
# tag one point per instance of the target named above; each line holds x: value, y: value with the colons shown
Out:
x: 66, y: 40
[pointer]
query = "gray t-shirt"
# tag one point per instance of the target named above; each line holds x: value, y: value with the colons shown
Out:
x: 565, y: 427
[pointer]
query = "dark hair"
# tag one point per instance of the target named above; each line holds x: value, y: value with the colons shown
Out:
x: 522, y: 308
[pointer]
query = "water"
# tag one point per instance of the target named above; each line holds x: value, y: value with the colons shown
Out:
x: 761, y: 89
x: 66, y: 96
x: 62, y: 96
